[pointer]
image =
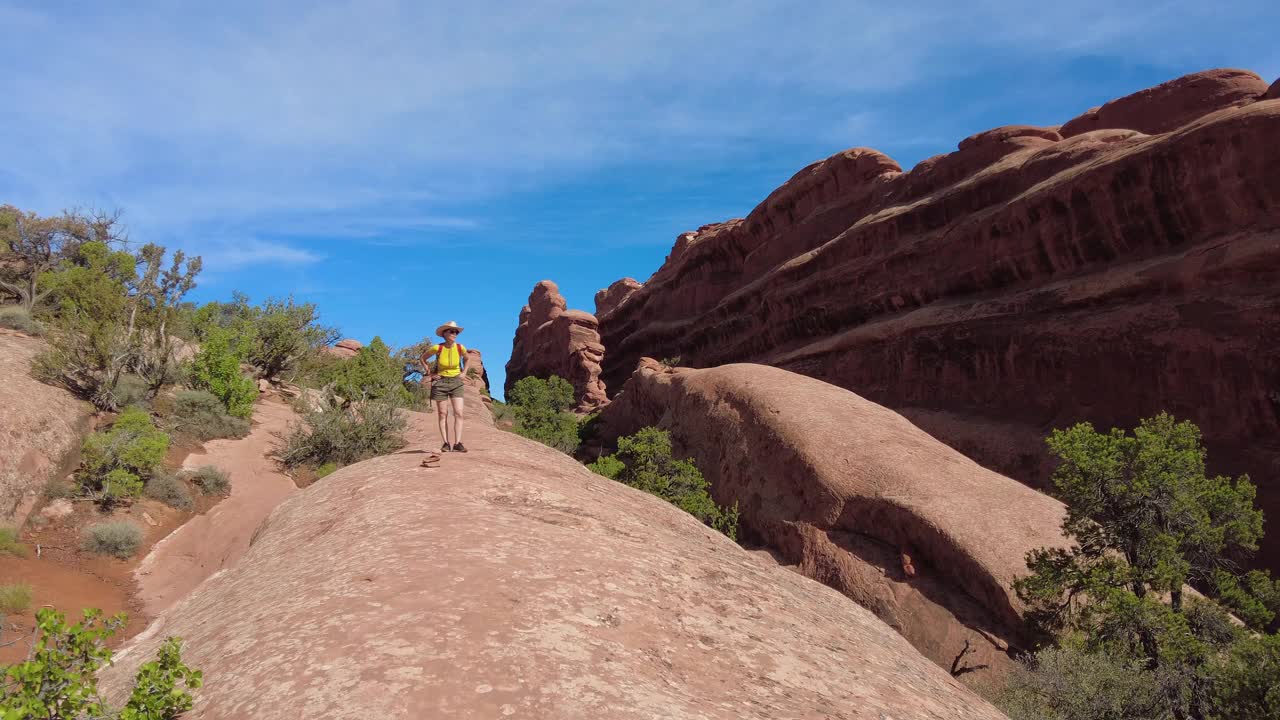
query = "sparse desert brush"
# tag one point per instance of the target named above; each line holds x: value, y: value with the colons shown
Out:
x: 115, y: 464
x: 210, y: 480
x: 9, y: 544
x: 119, y: 538
x: 343, y: 435
x: 169, y: 490
x: 15, y: 598
x: 199, y: 414
x: 326, y: 469
x: 17, y: 318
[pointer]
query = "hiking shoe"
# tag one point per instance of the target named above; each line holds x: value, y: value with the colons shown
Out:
x: 445, y: 448
x: 457, y: 447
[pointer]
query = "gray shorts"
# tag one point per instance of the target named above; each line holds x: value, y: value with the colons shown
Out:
x: 446, y: 387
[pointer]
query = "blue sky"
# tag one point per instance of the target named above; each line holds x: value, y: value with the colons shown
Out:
x: 402, y: 164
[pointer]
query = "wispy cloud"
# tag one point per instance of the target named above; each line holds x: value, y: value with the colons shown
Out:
x: 291, y: 119
x: 228, y: 255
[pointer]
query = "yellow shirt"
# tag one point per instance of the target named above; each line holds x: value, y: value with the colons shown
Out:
x: 448, y: 360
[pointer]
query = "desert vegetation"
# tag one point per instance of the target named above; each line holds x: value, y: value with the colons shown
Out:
x: 1123, y: 635
x: 59, y: 679
x: 538, y: 409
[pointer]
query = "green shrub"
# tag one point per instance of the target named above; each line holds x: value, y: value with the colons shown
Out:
x: 59, y: 679
x: 199, y: 414
x: 117, y: 537
x: 216, y: 368
x: 326, y: 469
x: 371, y: 375
x: 608, y: 466
x: 1070, y: 683
x: 115, y: 464
x: 9, y: 544
x: 16, y: 317
x: 210, y: 480
x: 131, y: 389
x: 1146, y: 521
x: 343, y: 435
x: 539, y: 407
x: 644, y: 461
x: 169, y: 490
x: 15, y: 598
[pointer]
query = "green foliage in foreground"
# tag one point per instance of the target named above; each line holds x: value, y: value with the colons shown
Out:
x: 1124, y: 641
x: 216, y: 368
x: 644, y: 461
x: 59, y: 680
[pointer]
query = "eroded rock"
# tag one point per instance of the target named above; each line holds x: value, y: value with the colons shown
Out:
x: 553, y: 340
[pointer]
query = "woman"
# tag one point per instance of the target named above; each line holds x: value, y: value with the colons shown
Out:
x: 446, y: 383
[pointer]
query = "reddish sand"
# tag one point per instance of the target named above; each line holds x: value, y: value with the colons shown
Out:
x: 216, y: 540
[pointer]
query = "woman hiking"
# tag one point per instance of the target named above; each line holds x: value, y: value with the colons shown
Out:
x: 446, y: 383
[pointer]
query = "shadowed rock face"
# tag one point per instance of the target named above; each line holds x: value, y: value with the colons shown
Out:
x: 552, y: 340
x: 513, y: 582
x: 858, y: 498
x: 614, y: 295
x: 1021, y: 283
x: 41, y: 428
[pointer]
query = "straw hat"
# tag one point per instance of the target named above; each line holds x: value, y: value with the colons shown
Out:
x: 451, y: 325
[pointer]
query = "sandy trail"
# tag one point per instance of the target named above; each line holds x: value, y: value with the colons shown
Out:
x: 216, y: 540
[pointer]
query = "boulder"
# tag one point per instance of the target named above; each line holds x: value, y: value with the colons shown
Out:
x: 347, y: 348
x: 614, y: 295
x: 553, y: 340
x: 513, y: 582
x: 1273, y: 92
x: 859, y: 498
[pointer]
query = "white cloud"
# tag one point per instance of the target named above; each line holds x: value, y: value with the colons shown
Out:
x: 226, y: 255
x: 367, y: 119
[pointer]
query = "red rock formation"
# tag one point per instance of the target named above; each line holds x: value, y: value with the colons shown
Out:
x: 614, y: 295
x: 858, y: 498
x: 1273, y: 92
x: 513, y: 582
x: 41, y: 428
x: 552, y: 340
x: 347, y: 348
x: 1171, y: 105
x: 1018, y: 284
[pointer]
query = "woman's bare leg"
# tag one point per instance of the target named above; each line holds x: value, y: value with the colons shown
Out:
x: 457, y: 418
x: 442, y: 415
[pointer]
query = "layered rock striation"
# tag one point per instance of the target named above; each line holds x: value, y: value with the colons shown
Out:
x: 1123, y: 264
x: 513, y: 582
x: 859, y: 498
x: 553, y: 340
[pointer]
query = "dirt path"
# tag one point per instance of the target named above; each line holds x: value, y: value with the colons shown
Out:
x: 215, y: 540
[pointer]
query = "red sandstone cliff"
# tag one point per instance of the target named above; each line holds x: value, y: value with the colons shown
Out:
x: 553, y: 340
x: 1021, y: 283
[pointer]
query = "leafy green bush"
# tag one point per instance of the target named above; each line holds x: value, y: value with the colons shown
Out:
x: 59, y: 680
x: 371, y: 375
x: 16, y: 317
x: 15, y: 598
x: 115, y: 464
x: 117, y: 537
x: 216, y: 368
x: 326, y: 469
x: 169, y: 490
x: 9, y: 544
x: 539, y: 407
x: 199, y: 414
x: 343, y: 435
x: 1147, y: 521
x: 210, y: 480
x: 644, y: 461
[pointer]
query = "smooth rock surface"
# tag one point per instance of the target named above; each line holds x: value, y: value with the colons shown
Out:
x: 513, y: 582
